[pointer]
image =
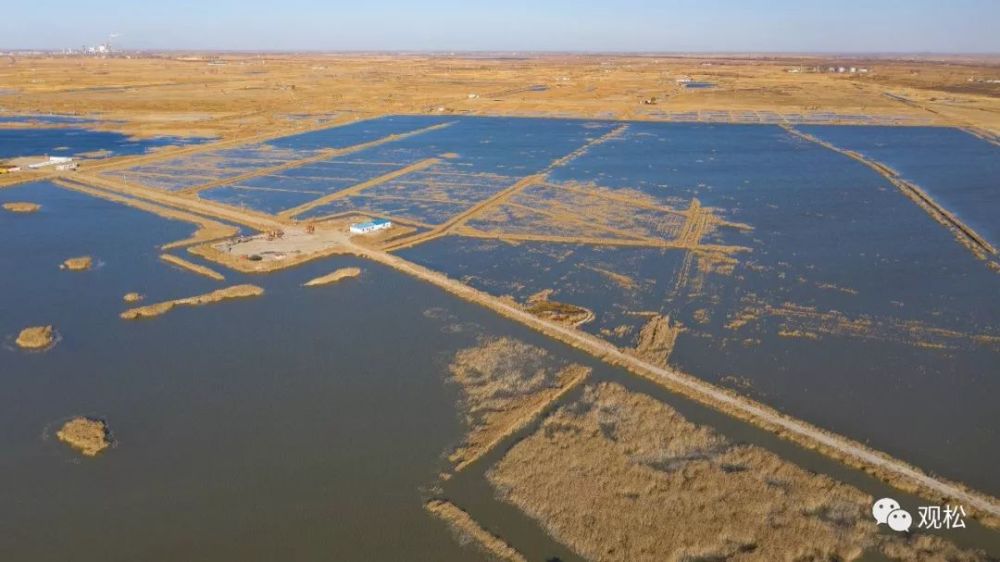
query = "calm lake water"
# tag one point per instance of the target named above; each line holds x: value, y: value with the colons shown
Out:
x: 305, y: 424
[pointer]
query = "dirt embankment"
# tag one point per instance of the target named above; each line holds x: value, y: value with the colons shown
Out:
x: 36, y: 338
x: 86, y: 435
x: 505, y: 384
x: 469, y: 530
x: 330, y: 278
x: 621, y: 476
x: 18, y: 207
x: 192, y: 267
x: 234, y: 292
x: 82, y: 263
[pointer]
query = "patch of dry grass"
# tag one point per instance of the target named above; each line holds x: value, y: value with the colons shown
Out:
x: 86, y: 435
x: 192, y: 267
x: 621, y: 476
x: 234, y: 292
x: 469, y: 530
x: 20, y: 207
x: 656, y: 340
x: 334, y: 277
x: 505, y: 384
x: 81, y: 263
x: 36, y: 337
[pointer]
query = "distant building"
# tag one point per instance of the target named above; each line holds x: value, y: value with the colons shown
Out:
x: 370, y: 226
x: 52, y: 161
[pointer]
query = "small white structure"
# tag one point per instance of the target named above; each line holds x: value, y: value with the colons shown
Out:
x: 370, y: 226
x: 52, y: 161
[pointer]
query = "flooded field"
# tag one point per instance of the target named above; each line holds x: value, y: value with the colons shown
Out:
x: 72, y: 141
x: 380, y: 417
x: 830, y: 314
x: 960, y: 170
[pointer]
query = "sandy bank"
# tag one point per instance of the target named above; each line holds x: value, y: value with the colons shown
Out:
x: 81, y: 263
x: 234, y: 292
x: 132, y: 297
x: 36, y: 337
x: 18, y: 207
x: 342, y: 273
x: 86, y: 435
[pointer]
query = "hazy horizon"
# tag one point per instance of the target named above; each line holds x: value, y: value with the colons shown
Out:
x: 559, y: 26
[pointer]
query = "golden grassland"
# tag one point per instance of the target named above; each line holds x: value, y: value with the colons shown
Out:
x: 619, y: 475
x: 245, y: 95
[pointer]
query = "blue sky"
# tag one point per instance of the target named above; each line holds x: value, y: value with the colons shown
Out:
x: 511, y: 25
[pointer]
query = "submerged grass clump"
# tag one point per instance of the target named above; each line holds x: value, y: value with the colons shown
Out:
x: 505, y: 384
x: 81, y: 263
x: 36, y: 338
x: 87, y: 435
x: 22, y: 207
